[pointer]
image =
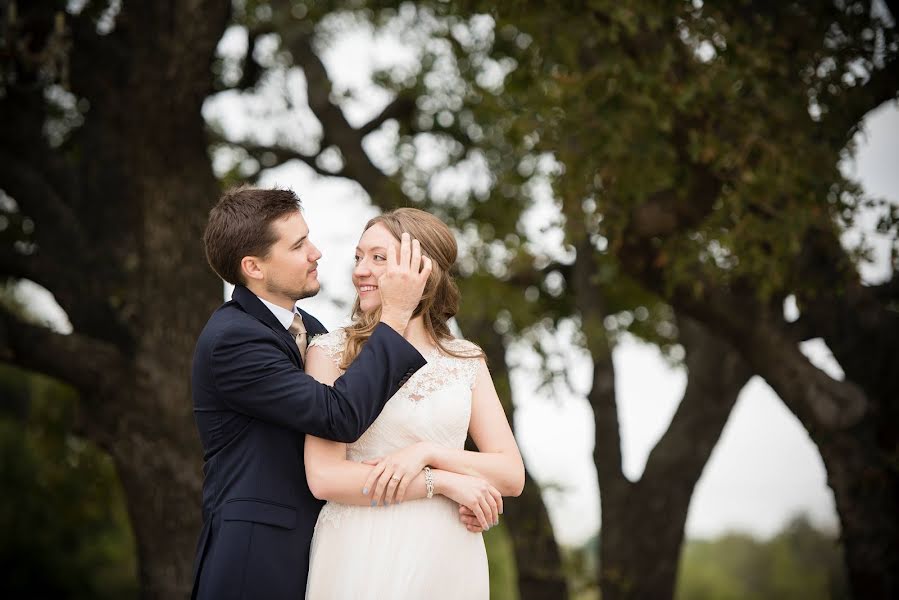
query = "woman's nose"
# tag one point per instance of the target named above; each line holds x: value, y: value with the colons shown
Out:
x: 361, y: 269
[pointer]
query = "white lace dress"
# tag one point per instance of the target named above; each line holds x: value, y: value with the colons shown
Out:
x: 419, y: 548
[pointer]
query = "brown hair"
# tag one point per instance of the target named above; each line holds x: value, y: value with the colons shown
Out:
x: 240, y: 225
x: 440, y: 299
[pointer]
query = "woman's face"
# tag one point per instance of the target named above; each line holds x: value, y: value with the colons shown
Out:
x: 371, y: 263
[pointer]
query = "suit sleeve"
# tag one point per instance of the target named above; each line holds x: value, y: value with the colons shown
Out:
x: 254, y: 375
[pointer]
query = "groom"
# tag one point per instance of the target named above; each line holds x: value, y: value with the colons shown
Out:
x: 253, y: 403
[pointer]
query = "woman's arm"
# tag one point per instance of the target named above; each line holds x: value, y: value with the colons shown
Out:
x: 331, y: 476
x: 498, y: 460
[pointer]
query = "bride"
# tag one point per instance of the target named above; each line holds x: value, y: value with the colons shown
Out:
x: 406, y: 502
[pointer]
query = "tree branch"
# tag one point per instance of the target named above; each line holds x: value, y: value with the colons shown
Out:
x: 607, y: 450
x: 857, y: 102
x: 715, y: 375
x: 87, y: 364
x: 38, y: 199
x: 819, y: 401
x: 336, y: 129
x: 277, y: 155
x: 33, y: 266
x: 401, y: 108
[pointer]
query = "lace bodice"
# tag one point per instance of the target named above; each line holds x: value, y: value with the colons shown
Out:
x: 434, y: 405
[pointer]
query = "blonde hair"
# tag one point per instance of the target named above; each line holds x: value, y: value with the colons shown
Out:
x: 440, y: 299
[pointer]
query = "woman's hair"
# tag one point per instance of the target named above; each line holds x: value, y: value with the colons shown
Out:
x: 440, y: 299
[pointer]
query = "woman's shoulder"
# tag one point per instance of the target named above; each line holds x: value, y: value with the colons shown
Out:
x: 332, y: 342
x: 463, y: 347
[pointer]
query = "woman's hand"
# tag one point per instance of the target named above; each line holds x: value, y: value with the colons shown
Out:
x: 393, y: 473
x: 482, y: 499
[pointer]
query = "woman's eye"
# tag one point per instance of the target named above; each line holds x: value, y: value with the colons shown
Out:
x: 379, y: 257
x: 356, y: 259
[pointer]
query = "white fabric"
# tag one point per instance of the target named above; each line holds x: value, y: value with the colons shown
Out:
x: 417, y: 549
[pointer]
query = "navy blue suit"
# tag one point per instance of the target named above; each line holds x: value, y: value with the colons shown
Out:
x: 253, y: 404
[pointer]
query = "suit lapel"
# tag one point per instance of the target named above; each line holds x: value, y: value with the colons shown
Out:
x: 313, y: 327
x: 254, y: 307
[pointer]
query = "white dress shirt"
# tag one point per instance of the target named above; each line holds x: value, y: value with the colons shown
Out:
x: 284, y: 316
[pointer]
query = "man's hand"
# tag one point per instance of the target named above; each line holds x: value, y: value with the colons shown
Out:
x: 469, y: 519
x: 403, y: 283
x: 482, y: 499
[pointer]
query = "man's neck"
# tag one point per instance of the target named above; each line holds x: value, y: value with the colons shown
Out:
x: 276, y: 299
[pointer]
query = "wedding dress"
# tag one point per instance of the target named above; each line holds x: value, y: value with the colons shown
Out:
x: 419, y: 548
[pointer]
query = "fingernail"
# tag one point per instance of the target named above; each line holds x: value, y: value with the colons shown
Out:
x: 374, y: 502
x: 365, y: 491
x: 497, y: 522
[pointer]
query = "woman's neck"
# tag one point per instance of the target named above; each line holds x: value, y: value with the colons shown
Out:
x: 417, y: 335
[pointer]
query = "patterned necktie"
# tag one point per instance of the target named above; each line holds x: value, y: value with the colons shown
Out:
x: 298, y: 331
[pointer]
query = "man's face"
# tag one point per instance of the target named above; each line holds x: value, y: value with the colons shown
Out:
x: 290, y: 267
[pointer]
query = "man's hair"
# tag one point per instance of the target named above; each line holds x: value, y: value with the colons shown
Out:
x: 240, y: 225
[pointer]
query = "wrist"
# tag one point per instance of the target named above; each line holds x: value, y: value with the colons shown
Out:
x: 396, y: 322
x: 441, y: 480
x: 429, y: 453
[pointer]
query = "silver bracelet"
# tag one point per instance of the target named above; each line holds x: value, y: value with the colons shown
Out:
x: 429, y: 482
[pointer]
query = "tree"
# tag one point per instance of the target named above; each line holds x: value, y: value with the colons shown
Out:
x: 103, y: 151
x: 699, y: 149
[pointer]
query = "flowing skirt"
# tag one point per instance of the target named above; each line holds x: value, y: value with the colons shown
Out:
x: 417, y: 549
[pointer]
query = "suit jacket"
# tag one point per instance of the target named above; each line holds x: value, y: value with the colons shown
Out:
x: 253, y: 405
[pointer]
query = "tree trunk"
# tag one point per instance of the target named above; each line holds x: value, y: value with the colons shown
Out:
x: 119, y: 210
x: 849, y: 421
x: 643, y: 521
x: 864, y: 487
x: 643, y: 529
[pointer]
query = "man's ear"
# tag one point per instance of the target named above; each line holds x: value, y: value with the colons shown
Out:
x: 251, y: 268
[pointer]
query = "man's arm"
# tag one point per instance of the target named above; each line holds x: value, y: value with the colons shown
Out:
x: 254, y: 375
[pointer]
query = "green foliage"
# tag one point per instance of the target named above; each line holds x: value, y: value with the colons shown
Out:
x: 738, y: 118
x: 501, y: 558
x: 65, y: 529
x: 799, y: 563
